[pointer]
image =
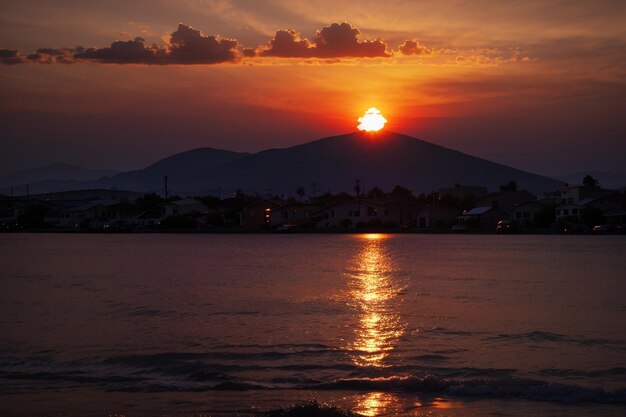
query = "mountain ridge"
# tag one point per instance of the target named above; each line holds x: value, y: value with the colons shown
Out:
x: 383, y: 159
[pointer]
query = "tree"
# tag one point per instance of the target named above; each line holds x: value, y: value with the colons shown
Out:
x: 300, y: 191
x: 511, y: 186
x: 401, y: 193
x: 377, y: 194
x: 150, y: 201
x: 590, y: 182
x: 357, y: 188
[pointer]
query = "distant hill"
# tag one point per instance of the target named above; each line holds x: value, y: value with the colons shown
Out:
x: 54, y: 172
x: 384, y: 160
x: 607, y: 179
x: 188, y: 172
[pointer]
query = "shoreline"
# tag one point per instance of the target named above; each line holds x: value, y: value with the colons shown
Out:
x: 352, y: 231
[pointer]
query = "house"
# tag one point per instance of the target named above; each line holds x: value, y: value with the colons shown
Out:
x: 505, y: 200
x: 149, y: 219
x: 400, y: 213
x: 97, y: 213
x: 571, y: 193
x: 523, y: 213
x: 609, y: 201
x: 485, y: 217
x: 296, y: 213
x: 183, y: 207
x: 350, y: 212
x: 438, y: 215
x: 261, y: 214
x: 616, y: 218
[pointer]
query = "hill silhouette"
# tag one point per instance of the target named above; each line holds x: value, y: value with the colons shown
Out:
x: 54, y: 172
x: 383, y: 159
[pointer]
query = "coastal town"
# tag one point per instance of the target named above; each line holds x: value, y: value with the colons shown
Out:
x: 580, y: 208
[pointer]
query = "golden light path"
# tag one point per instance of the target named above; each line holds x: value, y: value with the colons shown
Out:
x: 373, y: 293
x: 372, y: 121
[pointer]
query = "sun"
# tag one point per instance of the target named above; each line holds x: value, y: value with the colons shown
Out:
x: 372, y: 121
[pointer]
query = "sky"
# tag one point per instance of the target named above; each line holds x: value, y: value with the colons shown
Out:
x: 537, y: 85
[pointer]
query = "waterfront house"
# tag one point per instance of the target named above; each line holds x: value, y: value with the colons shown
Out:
x: 438, y: 215
x: 261, y: 214
x: 485, y: 218
x: 183, y: 207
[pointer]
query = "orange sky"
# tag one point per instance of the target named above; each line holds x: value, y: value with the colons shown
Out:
x: 537, y: 85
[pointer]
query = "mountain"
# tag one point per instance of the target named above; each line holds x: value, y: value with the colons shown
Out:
x: 189, y: 171
x: 384, y: 159
x: 607, y: 179
x: 52, y: 172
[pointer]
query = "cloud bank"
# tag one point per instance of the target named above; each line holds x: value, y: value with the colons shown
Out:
x: 339, y: 40
x: 188, y: 46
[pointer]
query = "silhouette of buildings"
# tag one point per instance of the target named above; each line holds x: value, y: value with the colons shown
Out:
x: 458, y: 208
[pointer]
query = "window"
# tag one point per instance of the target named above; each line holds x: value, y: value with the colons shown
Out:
x: 332, y: 214
x: 285, y: 214
x: 574, y: 211
x: 518, y: 215
x: 526, y: 214
x: 566, y: 212
x: 357, y: 213
x: 386, y: 212
x: 268, y: 212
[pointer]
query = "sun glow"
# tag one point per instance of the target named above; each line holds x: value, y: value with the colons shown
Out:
x: 372, y: 121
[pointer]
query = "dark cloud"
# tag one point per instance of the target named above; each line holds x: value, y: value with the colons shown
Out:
x: 123, y: 52
x: 249, y: 52
x: 187, y: 46
x: 11, y: 57
x: 190, y: 46
x: 50, y: 56
x: 414, y: 48
x: 287, y: 43
x: 52, y: 51
x: 339, y: 40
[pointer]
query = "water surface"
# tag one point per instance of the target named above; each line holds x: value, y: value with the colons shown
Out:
x: 406, y: 324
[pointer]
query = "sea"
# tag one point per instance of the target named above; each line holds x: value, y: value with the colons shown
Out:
x: 379, y: 324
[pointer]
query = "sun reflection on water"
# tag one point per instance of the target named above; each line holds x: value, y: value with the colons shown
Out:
x: 376, y: 403
x: 373, y: 292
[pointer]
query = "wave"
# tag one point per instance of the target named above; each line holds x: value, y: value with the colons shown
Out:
x: 179, y: 371
x: 541, y: 336
x: 565, y: 373
x: 501, y: 388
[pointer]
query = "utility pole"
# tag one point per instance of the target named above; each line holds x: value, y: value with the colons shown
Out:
x: 165, y: 186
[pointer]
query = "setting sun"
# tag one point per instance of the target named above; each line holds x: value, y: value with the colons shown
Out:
x: 372, y: 121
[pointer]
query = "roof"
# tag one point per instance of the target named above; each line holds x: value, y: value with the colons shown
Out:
x: 95, y: 203
x: 477, y: 211
x: 584, y: 201
x: 184, y: 202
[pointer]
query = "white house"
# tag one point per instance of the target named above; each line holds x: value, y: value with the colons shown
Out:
x: 351, y: 212
x: 183, y: 207
x: 485, y: 217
